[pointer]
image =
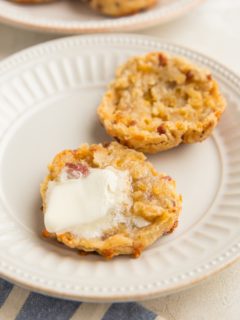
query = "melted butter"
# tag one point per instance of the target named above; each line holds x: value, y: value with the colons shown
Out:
x: 89, y: 205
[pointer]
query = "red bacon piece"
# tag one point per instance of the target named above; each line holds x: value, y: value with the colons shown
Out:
x: 76, y: 170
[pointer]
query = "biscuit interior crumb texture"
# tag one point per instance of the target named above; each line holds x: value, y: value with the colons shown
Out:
x: 158, y: 101
x: 121, y: 8
x: 155, y: 204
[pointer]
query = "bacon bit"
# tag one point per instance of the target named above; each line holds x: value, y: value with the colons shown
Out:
x: 161, y: 129
x: 132, y: 123
x: 209, y: 77
x: 189, y: 75
x: 163, y: 61
x: 79, y: 167
x: 168, y: 178
x: 106, y: 144
x: 73, y: 174
x: 117, y: 139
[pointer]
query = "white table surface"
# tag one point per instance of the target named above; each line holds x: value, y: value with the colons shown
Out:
x: 213, y: 29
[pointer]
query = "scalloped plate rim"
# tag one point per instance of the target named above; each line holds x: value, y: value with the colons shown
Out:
x: 122, y: 24
x: 37, y: 51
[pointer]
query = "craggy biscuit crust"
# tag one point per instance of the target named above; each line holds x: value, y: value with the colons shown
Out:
x: 158, y: 101
x: 117, y: 8
x: 154, y: 198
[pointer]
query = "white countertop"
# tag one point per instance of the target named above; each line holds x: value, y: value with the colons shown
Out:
x: 213, y: 29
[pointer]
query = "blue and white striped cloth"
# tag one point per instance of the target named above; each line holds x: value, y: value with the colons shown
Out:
x: 20, y: 304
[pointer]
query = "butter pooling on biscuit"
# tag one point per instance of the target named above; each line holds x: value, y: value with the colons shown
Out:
x: 148, y: 207
x: 158, y: 101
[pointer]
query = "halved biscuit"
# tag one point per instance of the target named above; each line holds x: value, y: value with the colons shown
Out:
x: 153, y: 204
x: 32, y: 1
x: 158, y: 101
x: 116, y: 8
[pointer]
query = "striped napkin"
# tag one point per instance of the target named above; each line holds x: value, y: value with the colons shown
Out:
x: 20, y: 304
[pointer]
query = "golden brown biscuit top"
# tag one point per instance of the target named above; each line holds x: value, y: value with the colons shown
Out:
x: 154, y: 197
x: 156, y: 95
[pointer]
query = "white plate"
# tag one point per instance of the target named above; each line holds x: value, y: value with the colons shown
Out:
x: 48, y: 100
x: 72, y: 16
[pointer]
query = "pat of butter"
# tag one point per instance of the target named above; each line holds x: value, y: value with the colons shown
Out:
x: 88, y: 205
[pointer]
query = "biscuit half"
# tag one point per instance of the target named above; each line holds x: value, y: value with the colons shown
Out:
x: 117, y: 8
x: 32, y: 1
x: 155, y: 204
x: 158, y: 101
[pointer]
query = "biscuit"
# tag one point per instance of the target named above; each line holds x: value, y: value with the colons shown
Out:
x: 32, y: 1
x: 157, y: 102
x: 117, y: 8
x: 155, y: 204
